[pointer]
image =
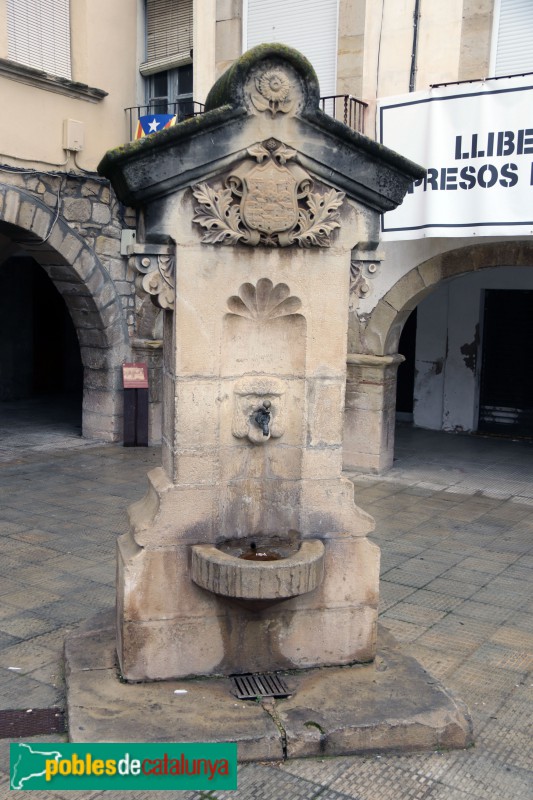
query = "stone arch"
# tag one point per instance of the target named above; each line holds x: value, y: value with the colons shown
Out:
x: 381, y: 333
x: 373, y: 359
x: 89, y: 294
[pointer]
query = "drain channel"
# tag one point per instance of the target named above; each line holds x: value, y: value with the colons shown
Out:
x: 266, y: 684
x: 18, y: 722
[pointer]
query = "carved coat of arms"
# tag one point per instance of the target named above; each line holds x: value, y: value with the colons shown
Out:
x: 269, y: 202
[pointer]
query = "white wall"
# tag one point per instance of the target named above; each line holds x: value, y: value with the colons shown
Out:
x: 396, y: 259
x: 448, y: 349
x: 432, y: 326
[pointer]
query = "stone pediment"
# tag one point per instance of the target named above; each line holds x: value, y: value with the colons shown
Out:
x: 271, y: 90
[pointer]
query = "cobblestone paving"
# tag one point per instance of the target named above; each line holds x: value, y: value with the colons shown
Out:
x: 456, y: 591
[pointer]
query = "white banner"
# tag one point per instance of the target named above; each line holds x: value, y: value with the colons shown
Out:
x: 476, y: 141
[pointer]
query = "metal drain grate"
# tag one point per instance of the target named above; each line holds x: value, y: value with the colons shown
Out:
x: 266, y: 684
x: 16, y: 723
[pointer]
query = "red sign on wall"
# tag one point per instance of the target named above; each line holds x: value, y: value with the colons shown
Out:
x: 135, y: 376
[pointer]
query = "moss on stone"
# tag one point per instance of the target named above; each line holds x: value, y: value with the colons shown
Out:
x: 226, y: 103
x: 229, y: 87
x: 168, y: 137
x: 358, y: 140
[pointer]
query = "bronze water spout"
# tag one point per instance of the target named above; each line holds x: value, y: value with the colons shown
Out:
x: 262, y: 417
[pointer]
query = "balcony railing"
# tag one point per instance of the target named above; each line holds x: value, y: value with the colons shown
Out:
x: 347, y: 109
x: 343, y: 107
x: 183, y: 109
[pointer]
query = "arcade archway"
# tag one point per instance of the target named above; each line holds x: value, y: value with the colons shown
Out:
x: 32, y: 238
x: 454, y: 317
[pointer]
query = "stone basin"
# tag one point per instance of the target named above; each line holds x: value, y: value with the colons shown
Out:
x: 257, y: 570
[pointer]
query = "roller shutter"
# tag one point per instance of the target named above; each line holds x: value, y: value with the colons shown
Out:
x: 514, y: 52
x: 169, y: 27
x: 38, y: 34
x: 309, y: 26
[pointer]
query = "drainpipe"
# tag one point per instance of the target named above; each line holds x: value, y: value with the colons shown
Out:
x: 416, y: 19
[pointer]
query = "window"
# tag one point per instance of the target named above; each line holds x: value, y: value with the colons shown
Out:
x: 168, y: 64
x: 312, y: 31
x: 170, y: 92
x: 168, y: 35
x: 512, y: 53
x: 38, y: 35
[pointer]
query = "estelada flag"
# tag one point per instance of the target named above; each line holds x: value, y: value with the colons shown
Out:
x: 153, y: 123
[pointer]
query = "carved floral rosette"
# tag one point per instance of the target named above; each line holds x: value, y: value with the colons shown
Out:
x: 268, y: 201
x: 272, y: 91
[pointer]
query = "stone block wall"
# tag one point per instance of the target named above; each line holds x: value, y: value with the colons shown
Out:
x: 71, y: 225
x: 90, y: 208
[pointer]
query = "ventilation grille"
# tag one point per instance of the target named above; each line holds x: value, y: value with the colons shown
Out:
x: 17, y: 723
x: 267, y: 684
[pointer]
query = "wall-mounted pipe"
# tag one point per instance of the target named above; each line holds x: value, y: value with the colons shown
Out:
x: 414, y: 50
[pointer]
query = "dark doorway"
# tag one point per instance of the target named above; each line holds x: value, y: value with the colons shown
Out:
x: 40, y: 364
x: 406, y: 370
x: 506, y: 387
x: 56, y: 353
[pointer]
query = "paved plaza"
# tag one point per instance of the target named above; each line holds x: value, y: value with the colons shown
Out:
x: 454, y: 520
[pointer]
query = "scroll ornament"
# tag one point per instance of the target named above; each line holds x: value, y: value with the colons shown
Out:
x: 268, y: 201
x: 360, y: 287
x: 158, y: 278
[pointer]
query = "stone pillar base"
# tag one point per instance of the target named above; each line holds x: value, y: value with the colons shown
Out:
x: 369, y: 418
x: 392, y: 705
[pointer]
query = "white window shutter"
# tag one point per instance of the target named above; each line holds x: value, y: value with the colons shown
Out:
x: 38, y: 33
x: 169, y: 29
x: 309, y: 27
x: 514, y: 51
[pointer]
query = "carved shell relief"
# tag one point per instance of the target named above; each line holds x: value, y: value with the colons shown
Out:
x: 267, y: 200
x: 264, y: 301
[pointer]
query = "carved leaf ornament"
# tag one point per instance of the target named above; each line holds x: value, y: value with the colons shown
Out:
x: 217, y: 213
x: 320, y: 220
x: 267, y: 201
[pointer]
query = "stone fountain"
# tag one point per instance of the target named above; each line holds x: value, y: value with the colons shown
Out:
x: 248, y: 553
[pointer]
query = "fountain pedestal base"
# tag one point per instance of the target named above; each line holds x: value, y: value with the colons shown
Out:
x: 390, y: 705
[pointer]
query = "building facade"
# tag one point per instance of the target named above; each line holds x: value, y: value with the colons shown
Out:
x: 67, y: 70
x: 77, y: 76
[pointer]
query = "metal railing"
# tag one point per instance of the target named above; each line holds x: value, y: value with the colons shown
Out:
x: 343, y: 107
x: 183, y: 109
x: 346, y: 109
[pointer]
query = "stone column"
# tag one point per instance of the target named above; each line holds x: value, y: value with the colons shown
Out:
x: 370, y: 412
x: 150, y: 352
x: 153, y: 263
